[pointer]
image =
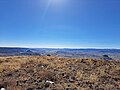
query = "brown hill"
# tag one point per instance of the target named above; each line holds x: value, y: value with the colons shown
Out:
x: 58, y: 73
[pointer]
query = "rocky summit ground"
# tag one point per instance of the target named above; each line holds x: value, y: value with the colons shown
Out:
x: 58, y: 73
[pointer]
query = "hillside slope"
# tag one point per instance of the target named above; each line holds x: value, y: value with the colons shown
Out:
x: 58, y: 73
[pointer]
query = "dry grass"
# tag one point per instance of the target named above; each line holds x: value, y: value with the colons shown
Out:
x: 32, y: 72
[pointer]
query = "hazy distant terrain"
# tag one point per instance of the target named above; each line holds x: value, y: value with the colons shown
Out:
x: 76, y: 53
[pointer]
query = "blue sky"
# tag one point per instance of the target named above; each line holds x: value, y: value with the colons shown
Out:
x: 60, y: 23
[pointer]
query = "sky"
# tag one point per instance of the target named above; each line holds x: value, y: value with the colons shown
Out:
x: 60, y: 23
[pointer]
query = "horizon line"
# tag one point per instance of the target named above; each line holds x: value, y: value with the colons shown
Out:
x: 58, y: 47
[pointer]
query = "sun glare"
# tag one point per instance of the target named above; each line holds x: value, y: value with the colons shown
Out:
x: 57, y: 2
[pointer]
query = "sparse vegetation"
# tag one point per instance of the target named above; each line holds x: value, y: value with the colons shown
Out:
x: 48, y: 55
x: 58, y: 73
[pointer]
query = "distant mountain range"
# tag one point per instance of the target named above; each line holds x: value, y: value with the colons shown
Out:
x: 66, y: 52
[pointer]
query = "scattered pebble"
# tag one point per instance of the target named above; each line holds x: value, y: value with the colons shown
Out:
x: 2, y: 89
x: 50, y: 82
x: 42, y: 66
